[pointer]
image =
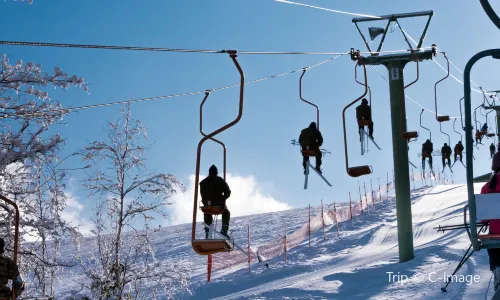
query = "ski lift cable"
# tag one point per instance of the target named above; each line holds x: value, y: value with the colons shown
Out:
x: 408, y: 97
x: 163, y: 49
x: 72, y: 109
x: 370, y: 16
x: 328, y: 9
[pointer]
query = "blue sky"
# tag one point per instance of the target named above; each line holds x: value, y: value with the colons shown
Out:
x: 258, y: 146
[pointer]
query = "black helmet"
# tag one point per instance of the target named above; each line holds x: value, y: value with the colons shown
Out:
x: 428, y: 141
x: 445, y: 144
x: 364, y: 101
x: 212, y: 170
x: 460, y: 142
x: 312, y: 125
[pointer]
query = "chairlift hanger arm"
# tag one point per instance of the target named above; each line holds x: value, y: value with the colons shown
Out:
x: 440, y: 129
x: 461, y: 115
x: 408, y: 135
x: 454, y: 127
x: 361, y: 169
x: 490, y: 12
x: 232, y: 55
x: 207, y: 93
x: 430, y: 132
x: 441, y: 118
x: 300, y: 95
x: 359, y: 82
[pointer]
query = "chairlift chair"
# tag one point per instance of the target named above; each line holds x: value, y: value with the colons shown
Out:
x: 359, y: 170
x: 212, y: 246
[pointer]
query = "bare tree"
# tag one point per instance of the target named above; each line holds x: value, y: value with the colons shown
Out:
x: 128, y: 194
x: 27, y: 155
x: 27, y: 112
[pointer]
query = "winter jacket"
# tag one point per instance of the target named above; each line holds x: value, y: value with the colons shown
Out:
x: 364, y: 112
x: 459, y: 148
x: 427, y: 147
x: 215, y: 189
x: 494, y: 224
x: 8, y: 270
x: 446, y: 150
x: 310, y: 137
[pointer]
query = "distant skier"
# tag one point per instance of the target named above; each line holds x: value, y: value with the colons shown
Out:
x: 484, y: 129
x: 479, y: 137
x: 445, y: 154
x: 364, y: 113
x: 9, y: 271
x: 311, y: 139
x: 492, y: 150
x: 214, y: 192
x: 493, y: 186
x: 427, y: 149
x: 459, y: 148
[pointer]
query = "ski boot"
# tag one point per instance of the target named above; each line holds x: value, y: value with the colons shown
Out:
x: 319, y: 170
x: 224, y: 232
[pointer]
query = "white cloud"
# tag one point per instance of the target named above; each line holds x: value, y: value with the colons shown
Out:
x: 74, y: 215
x: 246, y: 199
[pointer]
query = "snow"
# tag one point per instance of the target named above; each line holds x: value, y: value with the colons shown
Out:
x: 361, y: 263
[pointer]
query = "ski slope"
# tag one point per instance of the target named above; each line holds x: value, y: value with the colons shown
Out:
x: 355, y: 265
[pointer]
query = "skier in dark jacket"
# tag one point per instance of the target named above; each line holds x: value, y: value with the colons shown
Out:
x: 459, y: 148
x: 364, y: 113
x: 214, y: 192
x: 492, y: 150
x: 311, y: 139
x: 445, y: 154
x: 9, y: 271
x: 484, y: 128
x: 427, y: 149
x: 479, y: 137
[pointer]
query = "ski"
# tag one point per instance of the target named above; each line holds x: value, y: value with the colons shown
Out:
x: 412, y: 164
x: 373, y: 141
x: 308, y: 167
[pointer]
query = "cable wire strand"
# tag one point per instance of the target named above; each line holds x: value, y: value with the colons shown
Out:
x: 159, y: 49
x: 73, y: 109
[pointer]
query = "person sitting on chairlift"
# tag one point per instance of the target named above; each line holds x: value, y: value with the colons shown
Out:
x: 445, y: 154
x: 427, y: 149
x: 479, y: 137
x: 459, y: 148
x: 9, y: 271
x: 492, y: 150
x: 214, y: 191
x: 493, y: 186
x: 364, y: 113
x: 311, y: 139
x: 485, y: 127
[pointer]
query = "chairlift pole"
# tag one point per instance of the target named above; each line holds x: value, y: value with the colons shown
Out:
x: 395, y: 64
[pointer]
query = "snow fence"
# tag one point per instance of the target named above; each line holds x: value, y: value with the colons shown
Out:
x: 280, y: 246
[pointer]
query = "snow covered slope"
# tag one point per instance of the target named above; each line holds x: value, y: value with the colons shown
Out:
x: 358, y: 264
x: 355, y: 265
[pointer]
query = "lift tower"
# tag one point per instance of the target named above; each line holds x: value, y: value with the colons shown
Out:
x: 395, y: 64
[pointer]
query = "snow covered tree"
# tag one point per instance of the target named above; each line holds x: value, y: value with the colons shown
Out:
x: 26, y: 111
x: 130, y: 198
x: 27, y: 154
